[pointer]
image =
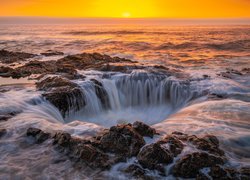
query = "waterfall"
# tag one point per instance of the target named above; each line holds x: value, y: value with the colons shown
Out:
x: 139, y: 89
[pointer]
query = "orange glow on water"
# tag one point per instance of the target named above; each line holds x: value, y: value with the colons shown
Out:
x: 127, y: 8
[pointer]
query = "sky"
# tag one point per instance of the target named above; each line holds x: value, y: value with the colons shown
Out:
x: 127, y: 8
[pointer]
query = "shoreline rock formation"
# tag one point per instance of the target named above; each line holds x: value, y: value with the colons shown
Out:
x: 121, y: 142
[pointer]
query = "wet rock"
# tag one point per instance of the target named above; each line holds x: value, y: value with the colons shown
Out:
x: 217, y: 172
x: 101, y: 93
x: 208, y: 143
x: 52, y: 53
x: 174, y: 145
x: 144, y: 129
x: 9, y: 57
x: 6, y: 71
x: 155, y: 156
x: 189, y: 165
x: 5, y: 117
x: 62, y: 139
x: 122, y: 139
x: 245, y: 173
x: 81, y: 151
x: 38, y: 134
x: 89, y: 60
x: 2, y: 132
x: 62, y: 93
x: 137, y: 172
x: 54, y: 82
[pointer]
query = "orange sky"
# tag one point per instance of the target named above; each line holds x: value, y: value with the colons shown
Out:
x: 127, y: 8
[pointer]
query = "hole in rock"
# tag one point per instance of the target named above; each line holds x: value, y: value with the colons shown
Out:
x: 125, y: 98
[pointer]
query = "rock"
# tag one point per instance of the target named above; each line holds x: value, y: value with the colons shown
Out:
x: 38, y: 134
x: 175, y: 146
x: 217, y: 172
x: 9, y: 57
x: 6, y: 71
x: 54, y: 82
x: 101, y: 93
x: 208, y: 143
x: 137, y: 172
x: 2, y: 132
x: 245, y: 173
x: 52, y: 53
x: 62, y: 139
x: 122, y: 139
x: 5, y: 117
x: 81, y: 150
x: 143, y: 129
x: 62, y: 93
x: 154, y: 156
x: 189, y: 165
x: 89, y: 60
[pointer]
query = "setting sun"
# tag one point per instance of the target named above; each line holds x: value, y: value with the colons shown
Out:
x: 126, y: 14
x: 127, y: 8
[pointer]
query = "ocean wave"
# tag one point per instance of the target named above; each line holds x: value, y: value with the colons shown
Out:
x: 127, y: 32
x: 239, y: 45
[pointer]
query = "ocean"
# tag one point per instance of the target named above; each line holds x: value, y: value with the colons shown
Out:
x: 211, y: 96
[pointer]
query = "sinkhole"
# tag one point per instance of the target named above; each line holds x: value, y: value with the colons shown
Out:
x: 110, y: 99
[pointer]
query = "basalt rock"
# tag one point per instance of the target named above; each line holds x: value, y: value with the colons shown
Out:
x: 2, y: 132
x: 54, y: 82
x: 101, y: 93
x: 137, y: 172
x: 155, y: 156
x: 189, y: 165
x: 207, y: 143
x: 144, y: 129
x: 84, y: 151
x: 220, y: 172
x: 52, y: 53
x: 11, y: 57
x: 62, y: 93
x: 122, y: 139
x: 174, y: 145
x: 38, y: 134
x: 88, y: 60
x: 121, y: 142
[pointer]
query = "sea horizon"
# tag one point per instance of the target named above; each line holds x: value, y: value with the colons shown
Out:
x: 120, y: 20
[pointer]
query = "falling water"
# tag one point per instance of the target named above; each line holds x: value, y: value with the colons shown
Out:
x: 137, y: 93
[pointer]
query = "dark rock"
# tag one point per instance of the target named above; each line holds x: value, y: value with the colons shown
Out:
x: 11, y: 57
x: 217, y: 172
x: 101, y: 93
x: 54, y: 82
x: 6, y: 71
x: 88, y: 60
x: 154, y: 156
x: 62, y: 93
x: 38, y: 134
x: 208, y: 143
x: 2, y: 132
x: 245, y: 173
x: 62, y: 139
x: 122, y: 139
x: 144, y: 129
x: 189, y: 165
x: 5, y: 117
x: 81, y: 151
x: 52, y: 53
x: 137, y: 172
x: 175, y: 146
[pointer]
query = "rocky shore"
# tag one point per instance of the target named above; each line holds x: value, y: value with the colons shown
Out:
x: 188, y: 156
x: 175, y: 154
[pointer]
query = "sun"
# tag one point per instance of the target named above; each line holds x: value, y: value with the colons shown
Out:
x: 126, y: 14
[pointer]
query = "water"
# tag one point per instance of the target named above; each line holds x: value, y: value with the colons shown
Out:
x: 168, y: 103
